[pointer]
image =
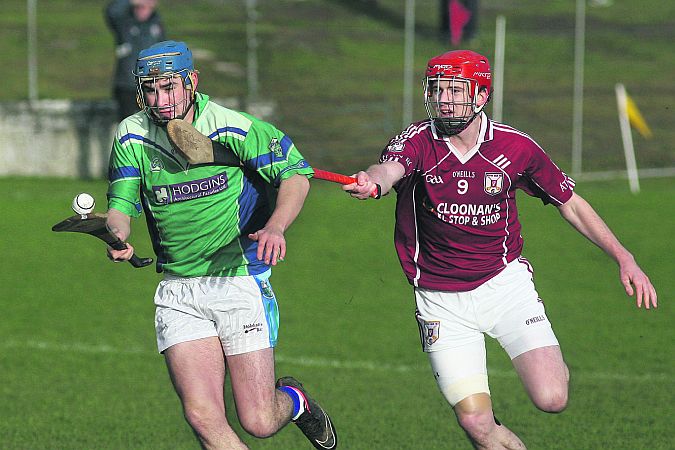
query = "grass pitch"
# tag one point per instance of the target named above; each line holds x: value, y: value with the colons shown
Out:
x: 78, y: 367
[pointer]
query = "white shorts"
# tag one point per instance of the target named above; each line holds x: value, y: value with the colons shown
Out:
x: 452, y: 324
x: 242, y: 311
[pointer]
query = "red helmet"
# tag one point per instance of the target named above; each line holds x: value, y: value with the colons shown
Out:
x: 462, y: 64
x: 463, y: 67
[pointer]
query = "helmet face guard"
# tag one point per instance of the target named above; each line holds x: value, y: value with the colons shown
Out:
x: 451, y: 87
x: 178, y: 103
x: 450, y: 103
x: 158, y: 70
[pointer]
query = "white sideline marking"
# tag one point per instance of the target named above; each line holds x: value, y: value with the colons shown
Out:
x: 326, y: 363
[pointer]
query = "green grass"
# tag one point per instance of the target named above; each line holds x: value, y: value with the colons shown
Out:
x: 78, y: 368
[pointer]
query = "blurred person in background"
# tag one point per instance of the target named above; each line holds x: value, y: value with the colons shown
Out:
x: 457, y: 236
x: 463, y: 23
x: 135, y: 25
x: 216, y: 235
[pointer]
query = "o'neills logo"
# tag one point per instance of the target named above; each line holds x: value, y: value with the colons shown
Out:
x: 535, y: 320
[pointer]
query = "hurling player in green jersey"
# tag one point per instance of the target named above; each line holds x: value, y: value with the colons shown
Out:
x: 216, y: 233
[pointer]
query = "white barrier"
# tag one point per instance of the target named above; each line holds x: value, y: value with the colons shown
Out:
x: 56, y: 138
x: 71, y: 139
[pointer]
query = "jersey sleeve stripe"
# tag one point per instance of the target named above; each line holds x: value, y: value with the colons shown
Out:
x: 302, y: 164
x: 123, y: 172
x: 117, y: 200
x: 271, y: 158
x: 286, y: 143
x: 138, y: 137
x: 231, y: 131
x: 260, y: 161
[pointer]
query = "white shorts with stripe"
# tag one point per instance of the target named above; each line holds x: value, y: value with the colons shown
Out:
x: 452, y: 327
x: 242, y: 311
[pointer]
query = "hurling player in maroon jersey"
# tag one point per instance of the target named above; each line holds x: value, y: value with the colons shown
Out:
x: 458, y: 239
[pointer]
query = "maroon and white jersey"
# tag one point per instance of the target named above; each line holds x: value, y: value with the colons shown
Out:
x: 456, y: 217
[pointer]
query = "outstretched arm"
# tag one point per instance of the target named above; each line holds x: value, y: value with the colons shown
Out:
x: 583, y: 217
x: 385, y: 174
x: 271, y: 241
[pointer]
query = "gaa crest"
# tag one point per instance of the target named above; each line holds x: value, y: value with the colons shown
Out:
x: 494, y: 183
x: 431, y: 331
x: 156, y: 165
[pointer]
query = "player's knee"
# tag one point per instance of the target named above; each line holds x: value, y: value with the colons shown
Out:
x: 258, y: 423
x: 552, y: 400
x: 475, y: 416
x: 478, y: 424
x: 554, y: 396
x: 201, y: 417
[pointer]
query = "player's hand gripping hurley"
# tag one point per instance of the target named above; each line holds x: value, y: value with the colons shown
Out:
x: 199, y: 149
x: 95, y: 225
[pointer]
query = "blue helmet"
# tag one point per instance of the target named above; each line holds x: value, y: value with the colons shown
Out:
x: 165, y: 59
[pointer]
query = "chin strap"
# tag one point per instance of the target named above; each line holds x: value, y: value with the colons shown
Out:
x: 192, y: 104
x: 445, y: 130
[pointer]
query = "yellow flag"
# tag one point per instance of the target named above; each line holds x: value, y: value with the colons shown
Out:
x: 636, y: 119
